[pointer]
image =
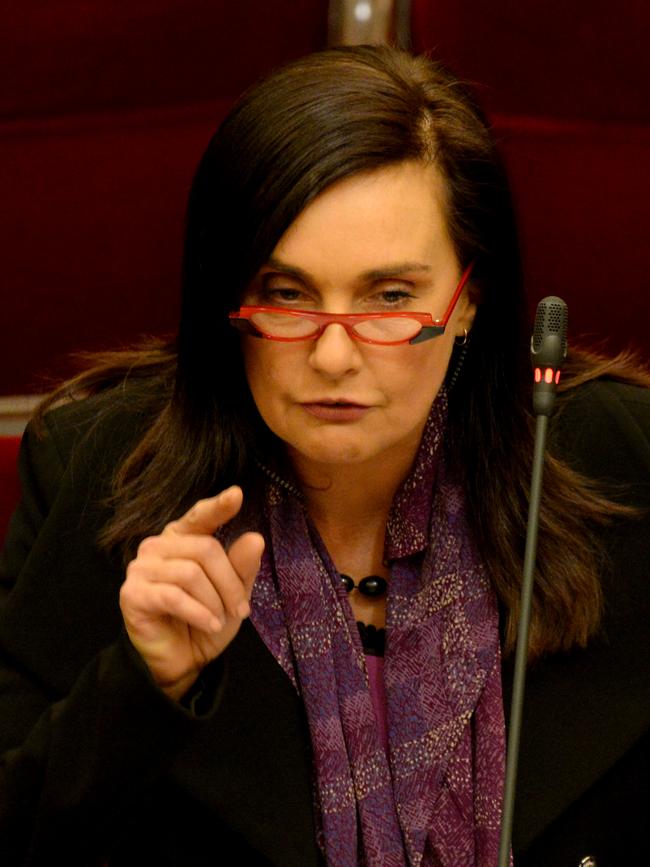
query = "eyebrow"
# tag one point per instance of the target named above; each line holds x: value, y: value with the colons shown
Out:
x: 383, y: 273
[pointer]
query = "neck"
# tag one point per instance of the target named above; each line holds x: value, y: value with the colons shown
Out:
x: 349, y: 495
x: 349, y: 506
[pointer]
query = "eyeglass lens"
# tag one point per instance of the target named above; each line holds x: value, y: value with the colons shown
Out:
x: 386, y: 329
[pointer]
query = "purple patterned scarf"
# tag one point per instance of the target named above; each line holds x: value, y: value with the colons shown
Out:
x: 435, y: 799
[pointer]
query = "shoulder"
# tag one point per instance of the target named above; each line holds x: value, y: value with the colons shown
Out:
x: 608, y: 398
x: 82, y: 442
x: 67, y: 464
x: 97, y: 431
x: 113, y: 418
x: 603, y: 430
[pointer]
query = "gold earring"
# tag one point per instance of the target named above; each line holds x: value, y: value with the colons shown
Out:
x: 463, y: 341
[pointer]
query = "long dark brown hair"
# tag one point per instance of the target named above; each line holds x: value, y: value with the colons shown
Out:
x: 309, y: 124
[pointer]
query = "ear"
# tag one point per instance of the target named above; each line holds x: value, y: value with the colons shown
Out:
x: 466, y: 311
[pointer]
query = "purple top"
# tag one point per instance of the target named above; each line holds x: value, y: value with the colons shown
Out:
x: 375, y: 666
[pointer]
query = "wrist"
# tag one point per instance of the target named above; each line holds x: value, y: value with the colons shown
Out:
x: 179, y: 688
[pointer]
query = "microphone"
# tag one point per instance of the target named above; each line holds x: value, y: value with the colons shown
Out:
x: 548, y: 348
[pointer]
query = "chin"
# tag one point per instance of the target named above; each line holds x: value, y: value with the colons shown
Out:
x: 332, y: 453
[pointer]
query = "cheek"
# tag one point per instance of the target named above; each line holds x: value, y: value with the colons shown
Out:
x: 269, y: 377
x: 422, y: 371
x: 258, y: 369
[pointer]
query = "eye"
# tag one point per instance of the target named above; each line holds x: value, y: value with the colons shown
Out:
x: 276, y: 290
x: 282, y: 294
x: 392, y: 296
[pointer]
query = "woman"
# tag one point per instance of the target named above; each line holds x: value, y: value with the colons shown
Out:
x: 340, y: 434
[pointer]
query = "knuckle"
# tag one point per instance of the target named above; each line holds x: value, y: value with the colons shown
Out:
x: 133, y: 571
x: 193, y: 513
x: 190, y: 572
x: 170, y: 595
x: 148, y: 545
x: 128, y: 594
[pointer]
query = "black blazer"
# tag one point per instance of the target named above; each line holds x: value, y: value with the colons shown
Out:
x: 99, y: 766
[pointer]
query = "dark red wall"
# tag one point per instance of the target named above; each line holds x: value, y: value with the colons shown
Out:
x: 107, y: 105
x: 567, y: 87
x: 105, y: 109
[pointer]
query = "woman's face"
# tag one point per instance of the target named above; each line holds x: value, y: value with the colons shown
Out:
x: 376, y: 241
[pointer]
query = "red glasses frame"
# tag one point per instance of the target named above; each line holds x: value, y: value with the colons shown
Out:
x: 241, y: 319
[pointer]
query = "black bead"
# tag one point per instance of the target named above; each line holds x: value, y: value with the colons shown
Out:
x: 347, y: 582
x: 373, y: 585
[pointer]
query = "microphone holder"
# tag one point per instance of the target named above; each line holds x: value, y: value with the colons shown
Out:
x: 521, y: 654
x: 548, y: 349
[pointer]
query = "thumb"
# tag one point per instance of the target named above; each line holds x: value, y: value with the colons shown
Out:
x: 245, y: 554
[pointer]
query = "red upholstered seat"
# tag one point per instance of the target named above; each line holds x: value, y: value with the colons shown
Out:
x: 9, y: 483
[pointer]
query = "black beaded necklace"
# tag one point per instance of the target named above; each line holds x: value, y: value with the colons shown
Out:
x: 373, y: 586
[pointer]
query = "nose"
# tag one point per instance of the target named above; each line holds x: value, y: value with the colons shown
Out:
x: 335, y: 353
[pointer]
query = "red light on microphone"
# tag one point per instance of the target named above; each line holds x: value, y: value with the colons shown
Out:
x: 549, y: 376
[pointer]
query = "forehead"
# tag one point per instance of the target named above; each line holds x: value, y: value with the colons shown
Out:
x: 396, y: 213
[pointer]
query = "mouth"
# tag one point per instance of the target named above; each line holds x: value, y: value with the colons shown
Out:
x: 341, y: 401
x: 341, y: 410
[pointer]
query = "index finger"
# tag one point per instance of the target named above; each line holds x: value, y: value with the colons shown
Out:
x: 209, y: 514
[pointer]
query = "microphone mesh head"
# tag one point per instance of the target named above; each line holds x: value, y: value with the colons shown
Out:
x: 552, y: 317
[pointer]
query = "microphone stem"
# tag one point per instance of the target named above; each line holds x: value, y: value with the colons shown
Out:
x: 521, y: 655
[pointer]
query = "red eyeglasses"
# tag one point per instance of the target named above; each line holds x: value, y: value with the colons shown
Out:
x: 384, y: 329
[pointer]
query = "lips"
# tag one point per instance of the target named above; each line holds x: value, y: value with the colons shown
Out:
x: 329, y: 409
